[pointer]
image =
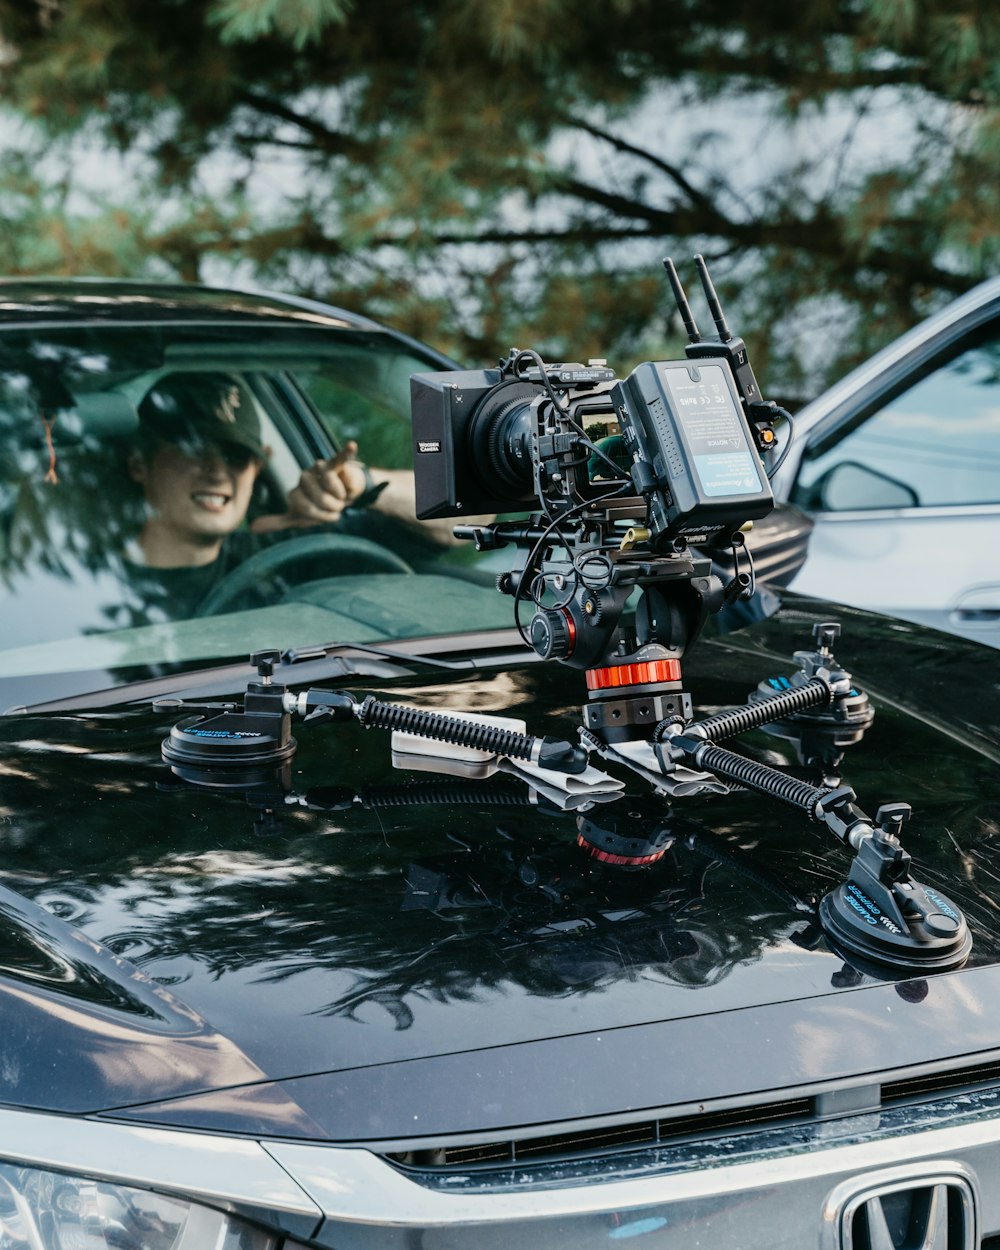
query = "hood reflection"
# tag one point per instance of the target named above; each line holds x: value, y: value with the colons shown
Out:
x: 383, y: 921
x: 500, y: 907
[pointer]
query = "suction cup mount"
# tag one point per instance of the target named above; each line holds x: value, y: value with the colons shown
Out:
x: 234, y: 747
x: 820, y: 735
x: 240, y: 748
x: 883, y: 914
x: 880, y: 914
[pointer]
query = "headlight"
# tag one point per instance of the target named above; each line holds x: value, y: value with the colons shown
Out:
x: 51, y: 1211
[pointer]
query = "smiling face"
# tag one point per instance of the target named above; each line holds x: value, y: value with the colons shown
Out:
x: 194, y: 497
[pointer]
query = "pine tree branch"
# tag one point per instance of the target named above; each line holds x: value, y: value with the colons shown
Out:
x: 816, y: 238
x: 249, y: 141
x: 773, y: 70
x: 702, y: 218
x: 333, y: 142
x: 672, y: 171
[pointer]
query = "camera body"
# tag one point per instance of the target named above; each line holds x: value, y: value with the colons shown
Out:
x: 513, y: 439
x: 624, y: 480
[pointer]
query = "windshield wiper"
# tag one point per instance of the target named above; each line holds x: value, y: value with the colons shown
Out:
x: 324, y: 662
x: 302, y: 655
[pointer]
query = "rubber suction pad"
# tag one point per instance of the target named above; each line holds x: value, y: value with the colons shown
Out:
x: 933, y: 940
x: 233, y: 740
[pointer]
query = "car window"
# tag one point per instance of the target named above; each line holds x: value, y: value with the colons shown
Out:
x: 361, y: 391
x: 89, y: 460
x: 936, y: 444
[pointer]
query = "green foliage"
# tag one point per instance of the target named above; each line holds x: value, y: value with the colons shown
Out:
x: 484, y: 172
x: 298, y: 21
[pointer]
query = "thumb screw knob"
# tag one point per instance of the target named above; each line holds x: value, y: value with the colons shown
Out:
x: 826, y: 633
x: 891, y: 817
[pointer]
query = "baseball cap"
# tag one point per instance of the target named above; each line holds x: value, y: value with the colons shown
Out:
x: 200, y: 408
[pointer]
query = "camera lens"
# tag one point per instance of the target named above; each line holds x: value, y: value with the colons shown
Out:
x: 501, y: 434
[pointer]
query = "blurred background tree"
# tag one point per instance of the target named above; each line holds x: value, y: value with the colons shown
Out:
x: 485, y: 172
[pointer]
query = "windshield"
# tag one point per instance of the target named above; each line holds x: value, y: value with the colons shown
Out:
x: 147, y: 490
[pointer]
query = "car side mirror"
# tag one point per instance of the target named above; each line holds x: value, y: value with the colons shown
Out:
x: 853, y: 487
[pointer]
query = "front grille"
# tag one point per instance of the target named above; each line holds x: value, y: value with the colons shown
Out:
x: 607, y: 1139
x: 602, y: 1140
x: 951, y: 1081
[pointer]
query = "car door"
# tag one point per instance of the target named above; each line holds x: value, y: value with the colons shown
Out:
x: 904, y: 491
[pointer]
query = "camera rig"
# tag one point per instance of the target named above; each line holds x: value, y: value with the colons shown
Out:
x: 631, y: 484
x: 680, y: 468
x: 632, y: 518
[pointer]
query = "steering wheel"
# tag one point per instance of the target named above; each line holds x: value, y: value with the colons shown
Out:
x: 316, y: 556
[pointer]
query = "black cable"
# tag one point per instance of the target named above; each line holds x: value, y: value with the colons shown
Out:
x: 540, y: 543
x: 594, y: 556
x: 752, y: 586
x: 789, y: 439
x: 528, y: 354
x: 619, y: 475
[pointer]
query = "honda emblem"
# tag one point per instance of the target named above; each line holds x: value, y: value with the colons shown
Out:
x: 927, y: 1206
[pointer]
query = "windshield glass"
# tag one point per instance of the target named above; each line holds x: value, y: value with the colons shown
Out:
x: 149, y: 483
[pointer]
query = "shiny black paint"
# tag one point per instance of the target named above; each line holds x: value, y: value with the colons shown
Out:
x: 779, y: 1051
x: 338, y: 958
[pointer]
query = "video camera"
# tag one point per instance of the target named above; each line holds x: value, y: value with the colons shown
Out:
x: 626, y: 476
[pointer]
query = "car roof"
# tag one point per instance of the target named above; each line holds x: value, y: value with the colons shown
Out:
x: 87, y: 300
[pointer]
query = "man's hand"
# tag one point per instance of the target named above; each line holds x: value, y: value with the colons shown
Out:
x: 323, y: 492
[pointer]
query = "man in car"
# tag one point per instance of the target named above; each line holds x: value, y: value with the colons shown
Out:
x: 197, y: 458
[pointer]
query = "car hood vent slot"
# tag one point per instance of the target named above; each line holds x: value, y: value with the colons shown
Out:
x: 931, y: 1083
x: 606, y: 1138
x: 637, y: 1135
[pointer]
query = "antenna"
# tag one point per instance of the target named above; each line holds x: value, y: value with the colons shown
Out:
x: 714, y: 307
x: 683, y: 307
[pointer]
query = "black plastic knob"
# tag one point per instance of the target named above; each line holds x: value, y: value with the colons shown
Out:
x: 593, y: 609
x: 891, y: 817
x: 826, y: 634
x: 264, y: 661
x: 550, y: 634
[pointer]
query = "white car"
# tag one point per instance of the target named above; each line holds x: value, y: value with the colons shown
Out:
x: 898, y: 466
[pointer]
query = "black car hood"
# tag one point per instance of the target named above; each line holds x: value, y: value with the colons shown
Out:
x: 371, y: 954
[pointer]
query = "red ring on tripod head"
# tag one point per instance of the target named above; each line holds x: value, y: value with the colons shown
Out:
x: 621, y: 861
x: 645, y: 673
